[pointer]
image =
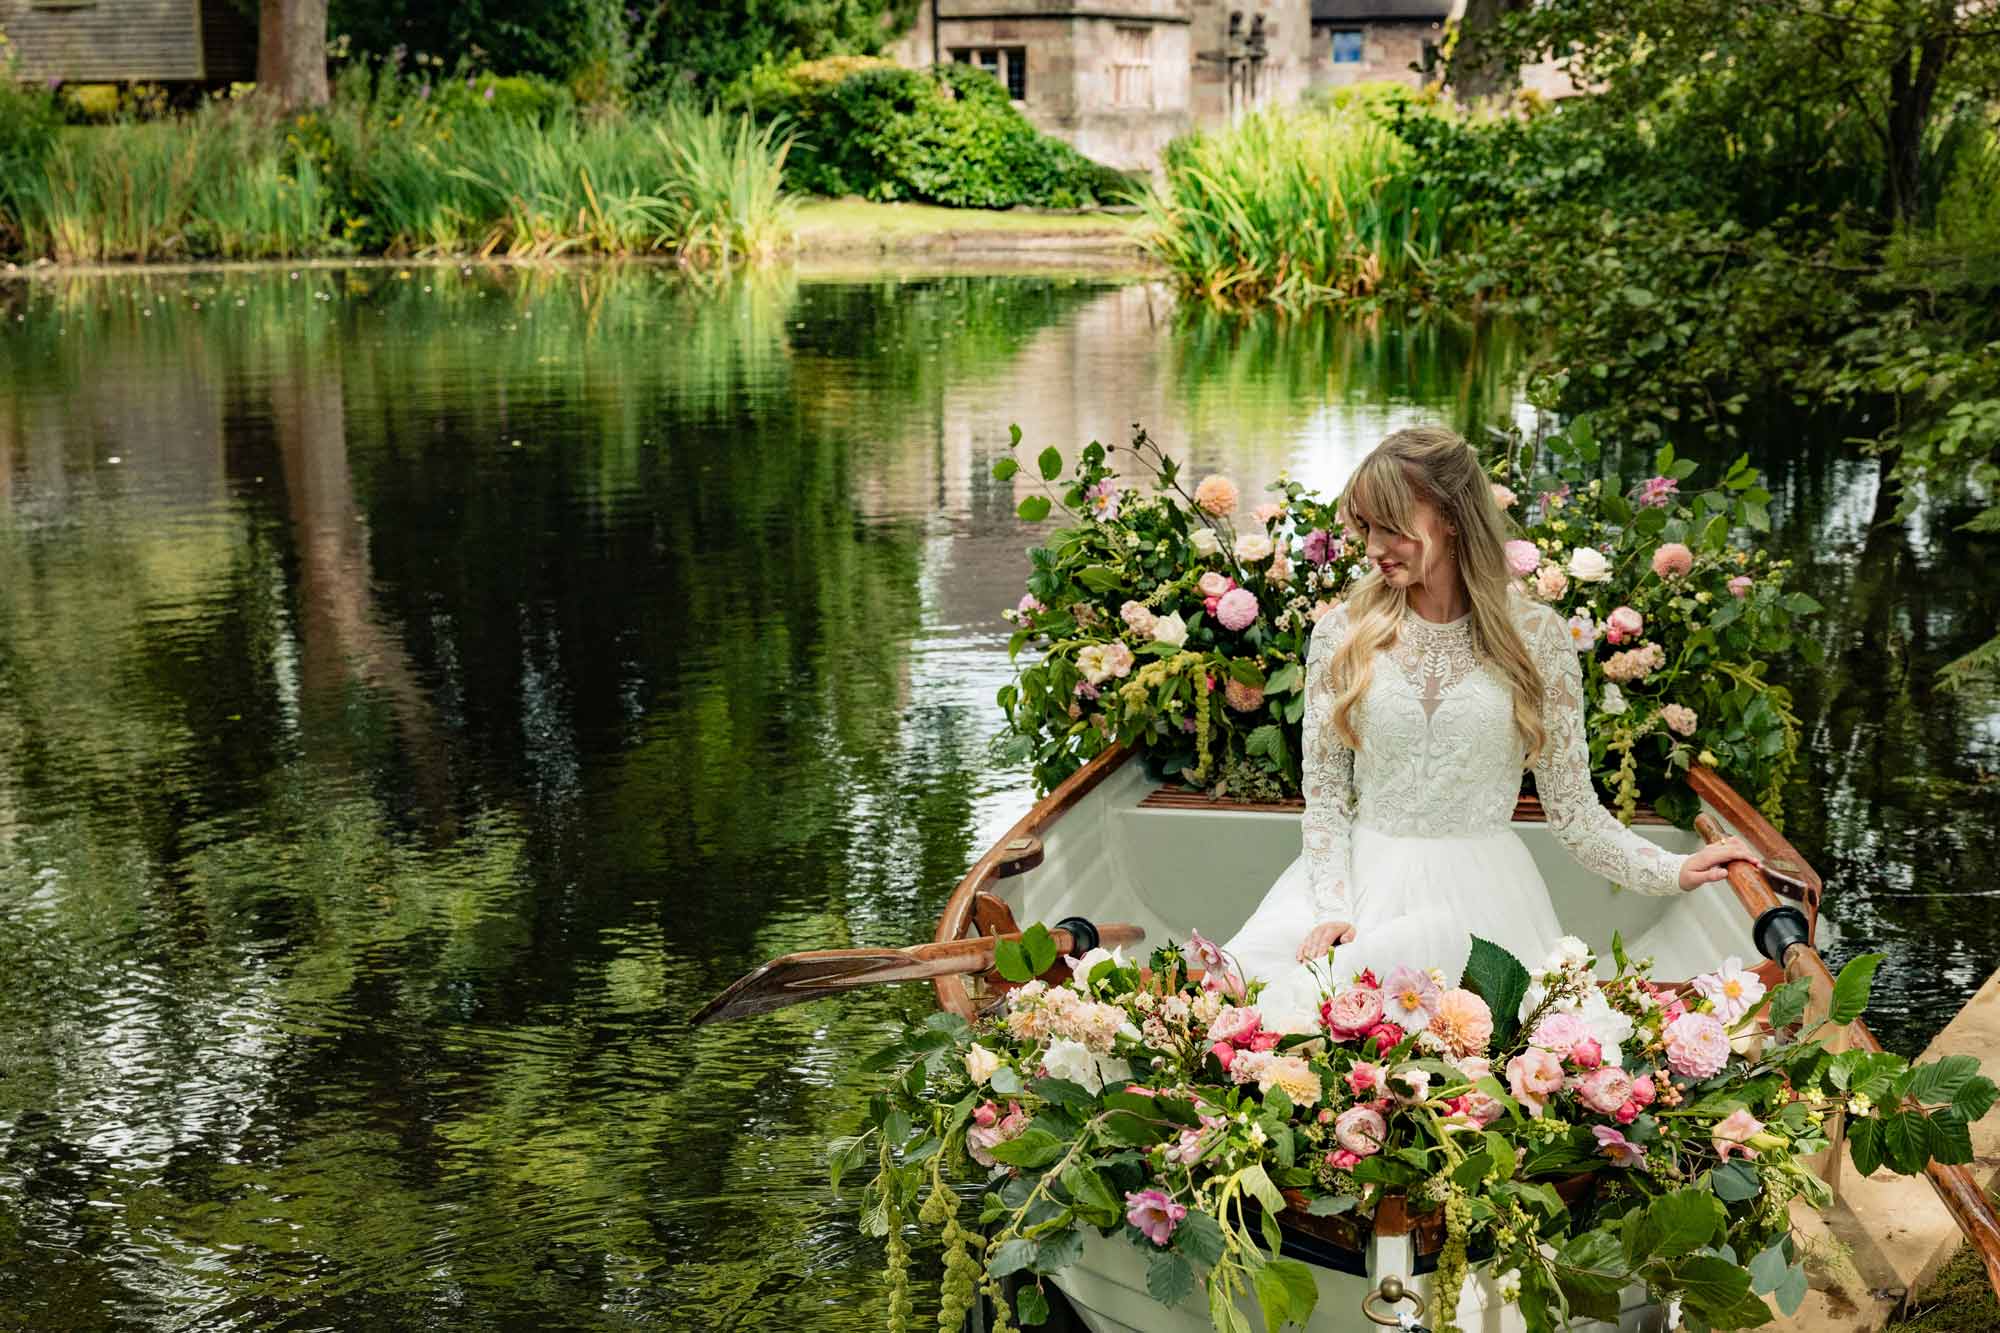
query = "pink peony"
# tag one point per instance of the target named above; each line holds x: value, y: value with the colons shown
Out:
x: 1522, y: 557
x: 1464, y: 1021
x: 1551, y: 582
x: 1409, y: 997
x: 1740, y: 585
x: 1242, y: 698
x: 1697, y: 1045
x: 1216, y: 494
x: 1235, y: 1024
x: 1534, y: 1076
x: 1384, y: 1037
x: 1643, y: 1091
x: 1343, y: 1160
x: 981, y: 1138
x: 1559, y: 1033
x: 1154, y: 1213
x: 1622, y: 624
x: 1672, y: 560
x: 1237, y: 609
x: 1734, y: 1133
x: 1365, y: 1077
x: 1503, y: 497
x: 1317, y: 547
x: 1657, y: 492
x: 1483, y: 1108
x: 1621, y: 1150
x: 1361, y: 1130
x: 1352, y: 1012
x: 1605, y: 1089
x: 1679, y: 718
x: 1213, y: 584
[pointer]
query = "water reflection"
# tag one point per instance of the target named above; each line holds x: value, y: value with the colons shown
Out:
x: 419, y: 691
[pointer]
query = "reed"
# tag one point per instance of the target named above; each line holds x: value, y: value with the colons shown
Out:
x: 1294, y: 207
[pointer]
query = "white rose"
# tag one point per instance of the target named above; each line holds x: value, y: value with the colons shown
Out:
x: 1253, y: 546
x: 1072, y: 1060
x: 1588, y: 565
x: 1612, y: 701
x: 1611, y: 1028
x: 1170, y: 630
x: 1204, y: 540
x: 980, y: 1063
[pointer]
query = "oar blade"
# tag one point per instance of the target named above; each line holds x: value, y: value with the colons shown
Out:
x: 798, y: 977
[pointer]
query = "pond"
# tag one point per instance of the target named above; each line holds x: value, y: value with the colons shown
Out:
x: 421, y: 689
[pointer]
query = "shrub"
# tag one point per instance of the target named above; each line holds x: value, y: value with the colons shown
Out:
x: 949, y: 136
x: 520, y: 97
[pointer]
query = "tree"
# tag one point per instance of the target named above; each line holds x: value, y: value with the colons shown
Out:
x: 1480, y: 65
x: 291, y: 52
x: 708, y: 43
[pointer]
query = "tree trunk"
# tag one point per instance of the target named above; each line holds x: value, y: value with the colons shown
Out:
x: 1913, y: 85
x: 291, y: 53
x: 1477, y: 71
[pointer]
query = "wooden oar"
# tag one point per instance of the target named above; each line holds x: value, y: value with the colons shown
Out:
x: 1956, y: 1189
x: 798, y: 977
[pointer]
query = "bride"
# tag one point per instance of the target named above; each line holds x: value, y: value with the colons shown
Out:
x: 1428, y: 690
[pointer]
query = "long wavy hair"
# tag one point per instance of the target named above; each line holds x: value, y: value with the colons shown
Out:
x: 1434, y: 464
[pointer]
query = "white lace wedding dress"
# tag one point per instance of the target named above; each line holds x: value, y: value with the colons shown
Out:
x: 1409, y: 838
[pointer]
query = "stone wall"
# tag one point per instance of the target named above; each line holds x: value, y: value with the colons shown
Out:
x: 1388, y: 51
x: 1224, y: 89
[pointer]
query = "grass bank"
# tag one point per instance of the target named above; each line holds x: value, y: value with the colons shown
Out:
x: 861, y: 227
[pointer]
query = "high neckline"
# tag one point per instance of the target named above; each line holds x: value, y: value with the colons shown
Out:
x: 1411, y: 617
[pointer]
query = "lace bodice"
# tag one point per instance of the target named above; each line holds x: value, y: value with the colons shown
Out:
x: 1440, y: 756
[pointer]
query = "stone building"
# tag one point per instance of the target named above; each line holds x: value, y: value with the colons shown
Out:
x: 1373, y: 41
x: 206, y: 42
x: 1119, y: 78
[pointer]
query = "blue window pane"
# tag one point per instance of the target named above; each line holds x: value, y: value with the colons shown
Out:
x: 1346, y: 48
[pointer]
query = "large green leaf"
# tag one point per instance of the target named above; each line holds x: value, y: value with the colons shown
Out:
x: 1674, y: 1224
x: 1199, y: 1238
x: 1734, y: 1182
x: 1850, y: 991
x: 1864, y: 1144
x: 1032, y: 1150
x: 1788, y: 1002
x: 1941, y: 1080
x: 1905, y: 1141
x: 1714, y: 1288
x: 1498, y: 978
x: 1011, y: 1257
x: 1591, y: 1272
x: 1287, y: 1292
x: 1169, y: 1278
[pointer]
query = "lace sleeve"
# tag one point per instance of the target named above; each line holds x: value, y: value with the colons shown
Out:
x: 1580, y: 823
x: 1329, y: 779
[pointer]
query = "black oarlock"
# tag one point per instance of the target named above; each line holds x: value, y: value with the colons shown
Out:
x: 1083, y: 935
x: 1778, y: 929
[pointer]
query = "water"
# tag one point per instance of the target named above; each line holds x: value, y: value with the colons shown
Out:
x: 420, y: 691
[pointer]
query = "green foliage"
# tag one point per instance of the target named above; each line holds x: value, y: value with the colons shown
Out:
x: 944, y: 136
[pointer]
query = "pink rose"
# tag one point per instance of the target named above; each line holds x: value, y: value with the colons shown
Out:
x: 1697, y: 1045
x: 1642, y: 1090
x: 1138, y: 618
x: 1534, y: 1076
x: 1361, y: 1130
x: 1353, y: 1012
x: 1365, y: 1077
x: 1384, y: 1037
x: 1672, y: 560
x: 1224, y: 1053
x: 1560, y: 1033
x: 1261, y: 1041
x: 1551, y: 582
x: 1343, y: 1160
x: 1740, y: 585
x: 1236, y: 609
x: 1522, y: 557
x: 1213, y: 584
x: 985, y: 1115
x: 1234, y: 1024
x: 980, y: 1139
x: 1627, y: 1113
x: 1267, y: 511
x: 1628, y: 623
x: 1483, y: 1108
x: 1605, y: 1089
x: 1732, y: 1135
x: 1587, y: 1054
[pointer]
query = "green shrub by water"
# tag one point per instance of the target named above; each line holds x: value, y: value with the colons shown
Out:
x: 394, y: 167
x: 946, y: 136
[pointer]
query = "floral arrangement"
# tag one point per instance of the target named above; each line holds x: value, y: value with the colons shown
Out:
x: 1577, y: 1136
x: 1178, y: 621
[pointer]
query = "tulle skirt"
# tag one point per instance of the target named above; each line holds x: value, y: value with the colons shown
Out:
x: 1417, y: 901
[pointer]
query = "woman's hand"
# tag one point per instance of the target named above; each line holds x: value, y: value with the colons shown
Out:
x: 1319, y: 941
x: 1711, y: 863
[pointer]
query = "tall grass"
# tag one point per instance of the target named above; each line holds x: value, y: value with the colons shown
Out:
x: 1291, y: 207
x: 382, y: 170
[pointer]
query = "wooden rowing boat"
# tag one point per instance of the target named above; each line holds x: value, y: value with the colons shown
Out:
x: 1110, y: 845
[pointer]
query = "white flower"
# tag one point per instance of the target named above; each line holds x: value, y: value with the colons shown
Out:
x: 1611, y: 1028
x: 1612, y: 701
x: 1588, y: 565
x: 1732, y: 989
x: 1170, y: 630
x: 1073, y: 1060
x: 1253, y: 546
x: 1204, y: 540
x: 1507, y: 1285
x: 1091, y: 662
x: 1571, y: 952
x: 980, y: 1063
x: 1081, y: 968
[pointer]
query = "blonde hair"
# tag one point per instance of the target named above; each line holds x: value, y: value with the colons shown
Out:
x: 1434, y: 464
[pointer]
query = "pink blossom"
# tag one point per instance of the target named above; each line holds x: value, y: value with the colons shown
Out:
x: 1627, y: 1113
x: 1267, y: 511
x: 1622, y: 624
x: 1657, y: 492
x: 1463, y: 1021
x: 1216, y: 495
x: 1352, y: 1012
x: 1103, y: 500
x: 1534, y: 1076
x: 1154, y: 1213
x: 1551, y: 582
x: 1605, y: 1089
x: 1410, y: 1085
x: 1679, y: 718
x: 1237, y: 609
x: 1317, y: 547
x: 1361, y: 1130
x: 1621, y: 1150
x: 1672, y: 560
x: 1224, y: 1053
x: 1204, y: 951
x: 1587, y: 1054
x: 1409, y: 997
x: 1583, y: 631
x: 1384, y: 1037
x: 981, y: 1139
x: 1482, y: 1107
x: 1732, y: 990
x: 1138, y: 618
x: 1029, y: 603
x: 1740, y: 585
x: 1635, y: 663
x: 1342, y: 1160
x: 1365, y: 1076
x: 1522, y: 557
x: 1697, y: 1045
x: 1213, y: 584
x: 1733, y: 1134
x: 1560, y: 1033
x: 1261, y: 1041
x: 1643, y: 1091
x: 1503, y: 497
x: 1234, y: 1024
x: 985, y: 1115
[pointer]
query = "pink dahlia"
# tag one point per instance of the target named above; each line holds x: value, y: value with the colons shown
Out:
x: 1361, y: 1130
x: 1522, y: 557
x: 1237, y: 609
x: 1154, y: 1213
x: 1216, y: 494
x: 1672, y: 560
x: 1464, y: 1021
x: 1697, y: 1045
